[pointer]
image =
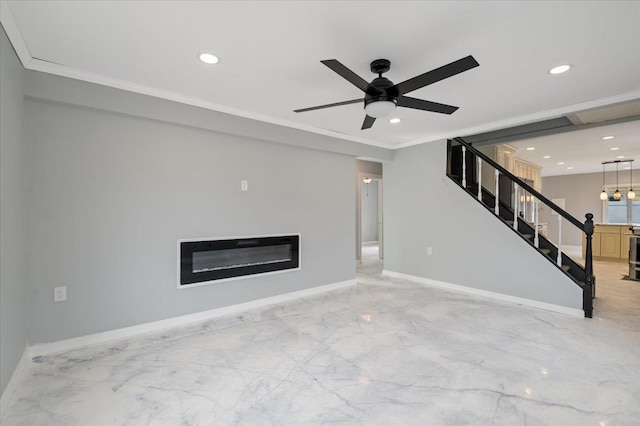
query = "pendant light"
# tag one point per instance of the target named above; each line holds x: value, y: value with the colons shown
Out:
x: 603, y: 194
x: 367, y: 180
x: 617, y: 195
x: 631, y: 195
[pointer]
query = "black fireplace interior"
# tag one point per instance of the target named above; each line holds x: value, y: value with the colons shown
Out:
x: 202, y: 261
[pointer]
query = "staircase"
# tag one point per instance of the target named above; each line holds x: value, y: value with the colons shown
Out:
x: 464, y: 167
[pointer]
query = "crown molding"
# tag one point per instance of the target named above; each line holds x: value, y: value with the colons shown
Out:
x: 14, y: 34
x: 90, y: 77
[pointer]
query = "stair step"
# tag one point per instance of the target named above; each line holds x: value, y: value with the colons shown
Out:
x: 527, y: 236
x: 546, y: 251
x: 566, y: 268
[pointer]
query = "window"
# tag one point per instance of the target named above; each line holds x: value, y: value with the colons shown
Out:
x: 624, y: 210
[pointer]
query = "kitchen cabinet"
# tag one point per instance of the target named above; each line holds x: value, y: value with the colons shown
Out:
x: 609, y: 242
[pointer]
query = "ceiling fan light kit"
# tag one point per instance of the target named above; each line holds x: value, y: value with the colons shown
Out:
x: 382, y: 96
x: 378, y: 108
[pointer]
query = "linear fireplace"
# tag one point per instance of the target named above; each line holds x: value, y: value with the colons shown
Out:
x: 204, y: 261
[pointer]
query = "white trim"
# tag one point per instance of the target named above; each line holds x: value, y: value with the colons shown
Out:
x: 490, y: 294
x: 241, y: 277
x: 14, y: 382
x: 524, y: 119
x: 15, y: 37
x: 121, y: 333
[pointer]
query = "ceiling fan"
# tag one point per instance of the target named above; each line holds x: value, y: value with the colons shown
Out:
x: 381, y: 96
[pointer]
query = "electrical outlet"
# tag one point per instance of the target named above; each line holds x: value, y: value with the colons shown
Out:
x: 244, y: 185
x: 60, y: 294
x: 429, y: 251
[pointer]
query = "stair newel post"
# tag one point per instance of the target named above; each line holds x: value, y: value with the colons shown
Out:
x: 559, y: 260
x: 496, y: 208
x: 464, y: 167
x: 516, y: 205
x: 479, y: 179
x: 536, y: 206
x: 588, y: 292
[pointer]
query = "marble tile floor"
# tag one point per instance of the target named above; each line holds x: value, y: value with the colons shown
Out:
x: 385, y: 352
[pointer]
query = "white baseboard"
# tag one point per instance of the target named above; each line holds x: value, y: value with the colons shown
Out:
x: 16, y: 379
x: 97, y: 338
x: 579, y: 313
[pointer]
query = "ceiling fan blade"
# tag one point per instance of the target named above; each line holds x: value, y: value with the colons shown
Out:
x: 347, y: 74
x: 433, y: 76
x: 421, y: 104
x: 352, y: 101
x: 368, y: 122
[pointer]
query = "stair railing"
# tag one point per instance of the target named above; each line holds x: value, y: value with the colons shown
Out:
x: 521, y: 188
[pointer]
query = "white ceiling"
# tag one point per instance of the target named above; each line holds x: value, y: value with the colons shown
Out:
x: 271, y: 51
x: 584, y: 150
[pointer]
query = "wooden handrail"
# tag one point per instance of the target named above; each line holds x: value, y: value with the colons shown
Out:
x: 522, y: 184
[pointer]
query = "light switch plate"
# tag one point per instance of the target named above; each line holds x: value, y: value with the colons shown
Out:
x: 60, y: 294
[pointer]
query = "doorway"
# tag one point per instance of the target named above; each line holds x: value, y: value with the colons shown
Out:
x: 369, y: 217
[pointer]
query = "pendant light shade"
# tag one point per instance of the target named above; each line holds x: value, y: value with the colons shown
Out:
x: 603, y: 194
x: 617, y: 195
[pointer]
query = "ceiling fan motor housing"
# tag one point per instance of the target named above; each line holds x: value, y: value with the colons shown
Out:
x: 378, y: 91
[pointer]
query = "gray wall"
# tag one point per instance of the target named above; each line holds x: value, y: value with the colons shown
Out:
x: 424, y: 208
x: 13, y: 273
x: 109, y: 195
x: 51, y: 87
x: 369, y: 193
x: 582, y: 195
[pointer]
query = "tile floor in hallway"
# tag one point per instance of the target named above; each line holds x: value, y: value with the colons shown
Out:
x: 386, y: 352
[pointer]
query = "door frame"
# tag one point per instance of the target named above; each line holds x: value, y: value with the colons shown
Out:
x: 378, y: 178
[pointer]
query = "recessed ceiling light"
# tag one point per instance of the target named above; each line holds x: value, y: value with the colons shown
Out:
x: 570, y: 168
x: 209, y: 58
x: 620, y: 156
x: 547, y: 156
x: 615, y: 148
x: 531, y: 148
x: 561, y: 163
x: 560, y: 69
x: 394, y: 121
x: 606, y: 138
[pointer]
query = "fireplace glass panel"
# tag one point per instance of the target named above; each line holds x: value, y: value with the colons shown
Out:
x: 215, y: 260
